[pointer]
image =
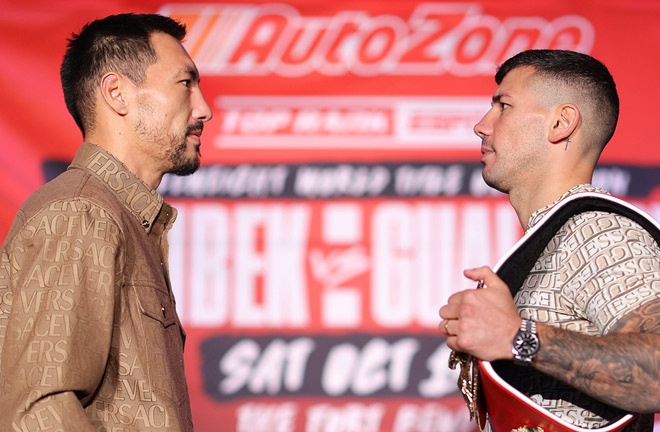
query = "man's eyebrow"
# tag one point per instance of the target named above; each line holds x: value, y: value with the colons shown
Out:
x: 194, y: 75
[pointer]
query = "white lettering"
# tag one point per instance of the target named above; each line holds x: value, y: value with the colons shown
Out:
x: 270, y: 245
x: 442, y: 380
x: 431, y: 417
x: 252, y: 265
x: 379, y: 364
x: 352, y: 417
x: 280, y: 365
x: 254, y: 417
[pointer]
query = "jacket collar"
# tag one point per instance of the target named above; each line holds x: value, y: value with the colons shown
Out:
x: 141, y: 201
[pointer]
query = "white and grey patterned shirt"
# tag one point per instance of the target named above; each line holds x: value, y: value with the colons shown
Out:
x: 597, y: 268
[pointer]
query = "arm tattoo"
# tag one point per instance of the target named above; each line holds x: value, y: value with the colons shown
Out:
x: 621, y: 368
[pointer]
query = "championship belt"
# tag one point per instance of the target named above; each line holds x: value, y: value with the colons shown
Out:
x: 489, y: 397
x: 509, y: 410
x: 469, y: 385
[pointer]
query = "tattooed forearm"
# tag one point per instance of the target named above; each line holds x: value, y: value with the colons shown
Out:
x: 621, y: 369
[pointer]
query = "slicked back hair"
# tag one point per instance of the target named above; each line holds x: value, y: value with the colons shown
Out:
x: 581, y: 73
x: 120, y: 43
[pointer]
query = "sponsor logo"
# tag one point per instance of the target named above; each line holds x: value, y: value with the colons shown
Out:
x: 437, y: 38
x: 443, y: 41
x: 341, y: 122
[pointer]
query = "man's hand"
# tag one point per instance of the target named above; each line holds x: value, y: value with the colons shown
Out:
x: 481, y: 322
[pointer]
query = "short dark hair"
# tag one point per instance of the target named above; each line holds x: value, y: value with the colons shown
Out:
x: 579, y: 71
x: 118, y: 43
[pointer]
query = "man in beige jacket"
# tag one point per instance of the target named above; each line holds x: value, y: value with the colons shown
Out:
x: 89, y: 336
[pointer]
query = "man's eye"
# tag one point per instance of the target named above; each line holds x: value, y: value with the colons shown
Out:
x: 186, y: 83
x: 504, y: 106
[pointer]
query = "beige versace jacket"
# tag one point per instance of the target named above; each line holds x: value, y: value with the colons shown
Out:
x: 89, y: 336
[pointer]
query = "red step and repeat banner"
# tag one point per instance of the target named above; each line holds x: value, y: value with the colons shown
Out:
x: 340, y: 194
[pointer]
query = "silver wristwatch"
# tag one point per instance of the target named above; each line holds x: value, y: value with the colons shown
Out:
x: 526, y: 343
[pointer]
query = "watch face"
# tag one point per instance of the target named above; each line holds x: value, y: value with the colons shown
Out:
x: 526, y: 344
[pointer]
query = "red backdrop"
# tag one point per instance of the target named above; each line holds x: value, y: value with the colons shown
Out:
x: 340, y: 194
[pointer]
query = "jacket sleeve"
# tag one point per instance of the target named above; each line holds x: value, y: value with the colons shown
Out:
x: 61, y: 270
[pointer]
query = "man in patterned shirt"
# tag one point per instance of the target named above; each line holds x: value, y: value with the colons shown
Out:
x: 587, y: 316
x: 89, y: 335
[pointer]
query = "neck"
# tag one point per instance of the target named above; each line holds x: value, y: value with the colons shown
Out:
x: 525, y: 204
x: 130, y: 157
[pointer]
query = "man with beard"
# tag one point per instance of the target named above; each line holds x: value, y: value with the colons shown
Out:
x: 584, y: 320
x: 89, y: 335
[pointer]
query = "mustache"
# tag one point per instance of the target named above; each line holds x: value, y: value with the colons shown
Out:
x: 197, y: 127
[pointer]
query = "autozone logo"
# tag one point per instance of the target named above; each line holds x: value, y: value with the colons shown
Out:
x: 437, y: 38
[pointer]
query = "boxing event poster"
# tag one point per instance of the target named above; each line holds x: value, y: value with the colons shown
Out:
x: 340, y: 194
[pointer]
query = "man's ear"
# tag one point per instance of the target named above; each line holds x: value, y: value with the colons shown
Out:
x: 113, y: 88
x: 565, y: 121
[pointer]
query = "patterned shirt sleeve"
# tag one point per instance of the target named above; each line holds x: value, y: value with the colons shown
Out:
x: 609, y: 265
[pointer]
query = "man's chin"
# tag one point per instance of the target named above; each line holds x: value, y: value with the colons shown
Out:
x: 187, y: 168
x: 497, y: 186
